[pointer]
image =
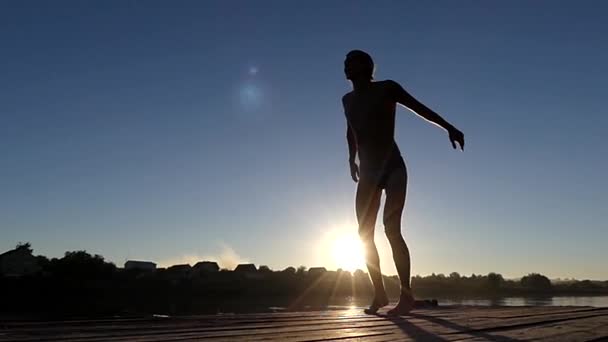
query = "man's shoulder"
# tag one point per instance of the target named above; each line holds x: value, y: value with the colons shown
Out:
x: 386, y: 83
x: 346, y: 97
x: 391, y: 88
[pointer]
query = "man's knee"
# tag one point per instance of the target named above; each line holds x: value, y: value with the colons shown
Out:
x: 392, y: 230
x: 366, y: 234
x: 392, y: 225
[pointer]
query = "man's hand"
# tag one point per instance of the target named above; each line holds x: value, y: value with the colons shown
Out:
x: 354, y: 171
x: 456, y: 136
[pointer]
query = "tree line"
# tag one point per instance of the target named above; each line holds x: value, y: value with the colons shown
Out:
x: 81, y: 284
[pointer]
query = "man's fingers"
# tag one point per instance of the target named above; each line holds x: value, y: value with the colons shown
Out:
x: 354, y: 172
x: 457, y: 137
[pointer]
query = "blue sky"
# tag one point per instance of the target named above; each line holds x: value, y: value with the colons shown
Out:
x: 174, y: 131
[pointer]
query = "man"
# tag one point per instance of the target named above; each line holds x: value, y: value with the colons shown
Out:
x: 370, y: 114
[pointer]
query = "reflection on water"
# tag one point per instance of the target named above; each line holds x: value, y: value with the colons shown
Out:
x: 358, y: 303
x: 277, y: 304
x: 597, y: 301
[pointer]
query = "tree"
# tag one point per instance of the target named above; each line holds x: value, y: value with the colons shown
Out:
x: 494, y: 281
x: 290, y: 270
x: 359, y: 273
x: 24, y: 246
x: 536, y: 281
x: 80, y: 264
x: 43, y: 262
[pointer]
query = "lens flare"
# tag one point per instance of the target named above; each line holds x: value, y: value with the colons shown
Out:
x: 251, y: 96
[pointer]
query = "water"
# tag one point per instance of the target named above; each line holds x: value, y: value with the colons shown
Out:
x: 596, y: 301
x: 357, y: 303
x: 277, y: 304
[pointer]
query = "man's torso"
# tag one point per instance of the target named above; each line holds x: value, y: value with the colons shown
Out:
x: 371, y: 116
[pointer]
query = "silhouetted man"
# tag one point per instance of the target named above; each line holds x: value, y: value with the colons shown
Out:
x: 370, y: 114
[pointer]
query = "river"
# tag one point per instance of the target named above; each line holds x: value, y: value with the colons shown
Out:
x: 594, y: 301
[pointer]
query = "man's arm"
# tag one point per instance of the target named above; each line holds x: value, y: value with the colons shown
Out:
x: 407, y: 100
x: 352, y: 153
x: 352, y: 147
x: 352, y: 144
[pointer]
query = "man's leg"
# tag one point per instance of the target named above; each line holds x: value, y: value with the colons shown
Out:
x: 367, y: 203
x: 396, y: 189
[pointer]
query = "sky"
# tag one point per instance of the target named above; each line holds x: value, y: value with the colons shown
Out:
x: 189, y: 130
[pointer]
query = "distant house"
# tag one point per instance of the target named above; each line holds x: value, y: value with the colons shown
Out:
x: 140, y: 265
x: 179, y: 271
x: 248, y: 271
x: 18, y: 262
x: 205, y: 267
x: 245, y: 268
x: 316, y: 271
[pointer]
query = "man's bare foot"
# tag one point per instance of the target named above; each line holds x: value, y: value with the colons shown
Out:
x: 379, y: 301
x: 405, y: 305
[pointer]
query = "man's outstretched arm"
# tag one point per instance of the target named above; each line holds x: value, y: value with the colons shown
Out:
x: 407, y: 100
x: 352, y: 153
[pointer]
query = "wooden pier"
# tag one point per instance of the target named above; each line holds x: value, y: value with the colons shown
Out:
x: 451, y: 323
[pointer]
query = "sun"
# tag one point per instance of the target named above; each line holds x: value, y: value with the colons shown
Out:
x: 347, y: 252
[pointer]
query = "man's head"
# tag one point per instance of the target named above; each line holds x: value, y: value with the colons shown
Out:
x: 358, y: 66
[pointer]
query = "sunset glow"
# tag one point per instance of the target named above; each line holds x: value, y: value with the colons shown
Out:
x: 347, y: 253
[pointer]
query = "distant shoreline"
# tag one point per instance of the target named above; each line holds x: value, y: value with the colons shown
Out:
x: 80, y: 284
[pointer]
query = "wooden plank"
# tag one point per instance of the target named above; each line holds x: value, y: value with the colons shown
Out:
x: 433, y: 324
x: 226, y: 321
x: 411, y: 326
x: 584, y: 329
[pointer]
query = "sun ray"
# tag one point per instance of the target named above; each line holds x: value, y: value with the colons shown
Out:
x: 296, y: 302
